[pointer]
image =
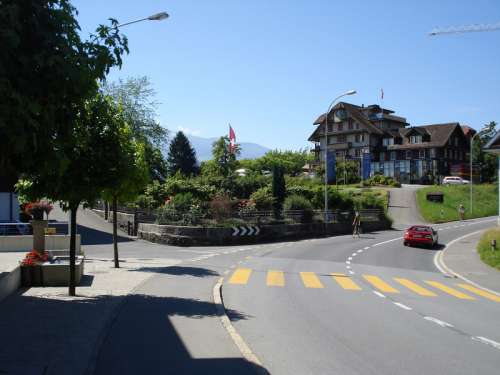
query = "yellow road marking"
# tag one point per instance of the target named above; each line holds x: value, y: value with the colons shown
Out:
x: 310, y: 280
x: 380, y: 284
x: 480, y: 292
x: 240, y: 276
x: 415, y: 287
x: 447, y: 289
x: 275, y: 278
x: 345, y: 281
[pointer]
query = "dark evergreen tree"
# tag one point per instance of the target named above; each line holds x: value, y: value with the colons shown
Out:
x: 279, y: 190
x: 181, y: 156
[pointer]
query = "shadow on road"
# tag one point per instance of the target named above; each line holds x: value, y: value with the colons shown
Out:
x: 78, y: 336
x: 179, y: 271
x: 91, y: 236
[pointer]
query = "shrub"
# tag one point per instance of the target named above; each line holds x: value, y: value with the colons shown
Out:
x: 379, y: 179
x: 181, y: 202
x: 221, y: 207
x: 263, y: 199
x: 299, y: 203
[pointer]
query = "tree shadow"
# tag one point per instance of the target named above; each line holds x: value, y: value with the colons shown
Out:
x: 91, y: 236
x: 116, y: 335
x: 179, y: 271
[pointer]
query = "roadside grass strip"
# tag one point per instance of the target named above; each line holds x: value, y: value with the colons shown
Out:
x: 275, y: 278
x: 480, y: 292
x: 240, y: 276
x: 310, y: 280
x: 451, y: 291
x: 415, y: 287
x: 380, y: 284
x: 345, y: 281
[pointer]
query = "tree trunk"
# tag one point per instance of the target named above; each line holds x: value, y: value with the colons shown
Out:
x: 115, y: 235
x: 106, y: 210
x: 72, y: 251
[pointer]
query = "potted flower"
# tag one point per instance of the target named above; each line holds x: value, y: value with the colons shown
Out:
x: 36, y: 211
x: 31, y: 268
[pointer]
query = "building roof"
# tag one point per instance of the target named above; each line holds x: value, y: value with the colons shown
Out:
x: 468, y: 131
x: 440, y: 133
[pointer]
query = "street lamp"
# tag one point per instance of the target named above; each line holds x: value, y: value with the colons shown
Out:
x: 155, y: 17
x: 482, y: 131
x: 350, y: 92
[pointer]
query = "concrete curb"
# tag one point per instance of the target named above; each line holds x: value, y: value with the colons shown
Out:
x: 10, y: 283
x: 447, y: 271
x: 235, y: 336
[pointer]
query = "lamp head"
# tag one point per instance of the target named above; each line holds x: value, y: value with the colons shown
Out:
x: 158, y: 16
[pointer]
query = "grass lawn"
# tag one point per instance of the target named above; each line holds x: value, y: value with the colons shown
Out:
x: 488, y: 256
x: 485, y: 202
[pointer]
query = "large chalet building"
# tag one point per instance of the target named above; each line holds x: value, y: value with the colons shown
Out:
x: 410, y: 154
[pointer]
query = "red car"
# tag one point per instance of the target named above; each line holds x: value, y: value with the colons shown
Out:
x: 420, y: 235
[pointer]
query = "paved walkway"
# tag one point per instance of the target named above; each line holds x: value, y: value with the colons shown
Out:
x: 462, y: 258
x: 403, y: 206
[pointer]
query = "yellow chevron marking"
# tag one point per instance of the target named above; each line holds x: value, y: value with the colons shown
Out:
x: 345, y: 281
x: 310, y: 280
x: 447, y: 289
x: 275, y: 278
x: 480, y: 292
x: 240, y: 276
x: 415, y: 287
x: 380, y: 284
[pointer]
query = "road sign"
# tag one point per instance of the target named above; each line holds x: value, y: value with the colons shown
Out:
x: 246, y: 230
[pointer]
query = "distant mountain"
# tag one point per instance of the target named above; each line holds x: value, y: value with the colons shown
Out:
x: 203, y: 147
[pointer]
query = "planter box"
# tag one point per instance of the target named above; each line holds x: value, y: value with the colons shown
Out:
x: 52, y: 274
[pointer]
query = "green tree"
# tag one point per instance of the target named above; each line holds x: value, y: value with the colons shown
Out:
x: 290, y: 161
x: 486, y: 162
x: 46, y: 73
x: 136, y: 97
x: 128, y: 174
x: 279, y: 190
x: 224, y: 157
x: 348, y: 171
x: 88, y: 161
x: 181, y: 156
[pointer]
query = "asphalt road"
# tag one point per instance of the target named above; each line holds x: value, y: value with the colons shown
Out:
x: 387, y: 309
x: 392, y: 312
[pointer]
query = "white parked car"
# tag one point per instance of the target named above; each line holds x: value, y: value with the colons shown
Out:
x: 453, y: 180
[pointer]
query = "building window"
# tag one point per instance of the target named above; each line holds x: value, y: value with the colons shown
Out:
x: 408, y: 154
x: 356, y: 125
x: 341, y: 139
x: 393, y: 155
x: 356, y: 138
x: 433, y: 152
x: 349, y: 125
x: 331, y: 140
x: 456, y: 141
x: 421, y: 154
x: 387, y: 141
x: 382, y: 156
x: 357, y: 152
x: 341, y: 127
x: 330, y: 128
x: 415, y: 139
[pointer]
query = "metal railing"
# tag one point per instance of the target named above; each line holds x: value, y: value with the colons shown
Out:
x: 20, y: 229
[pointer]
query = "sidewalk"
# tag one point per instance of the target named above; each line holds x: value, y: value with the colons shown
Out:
x: 44, y: 331
x: 462, y: 258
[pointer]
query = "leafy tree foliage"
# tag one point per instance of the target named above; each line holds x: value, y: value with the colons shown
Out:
x: 290, y: 161
x: 225, y: 160
x: 46, y: 73
x: 486, y: 162
x: 181, y: 156
x: 136, y: 97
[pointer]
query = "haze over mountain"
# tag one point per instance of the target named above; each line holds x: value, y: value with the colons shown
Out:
x: 203, y: 148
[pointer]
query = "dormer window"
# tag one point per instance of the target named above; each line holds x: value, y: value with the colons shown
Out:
x: 340, y: 115
x: 415, y: 139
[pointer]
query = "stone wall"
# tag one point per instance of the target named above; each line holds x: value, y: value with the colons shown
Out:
x: 126, y: 222
x: 187, y: 236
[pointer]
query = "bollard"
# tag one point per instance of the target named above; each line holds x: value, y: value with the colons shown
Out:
x: 493, y: 244
x: 128, y: 228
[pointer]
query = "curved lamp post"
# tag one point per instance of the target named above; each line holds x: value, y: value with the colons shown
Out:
x: 332, y: 104
x: 155, y: 17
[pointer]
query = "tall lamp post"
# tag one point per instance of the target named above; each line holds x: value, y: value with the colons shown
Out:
x: 350, y: 92
x: 482, y: 131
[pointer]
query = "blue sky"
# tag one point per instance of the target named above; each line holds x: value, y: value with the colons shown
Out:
x: 271, y: 67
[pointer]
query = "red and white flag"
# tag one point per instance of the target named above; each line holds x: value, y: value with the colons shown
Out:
x: 382, y: 94
x: 232, y: 140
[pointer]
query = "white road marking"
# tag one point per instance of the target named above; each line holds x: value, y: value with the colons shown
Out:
x: 354, y: 254
x: 486, y: 341
x: 366, y: 248
x: 348, y: 267
x: 381, y: 243
x: 378, y: 293
x: 438, y: 322
x: 351, y: 272
x: 226, y: 272
x: 402, y: 306
x: 359, y: 251
x: 350, y: 258
x: 347, y: 262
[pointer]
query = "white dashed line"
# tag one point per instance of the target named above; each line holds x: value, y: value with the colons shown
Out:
x: 351, y: 272
x: 347, y: 262
x: 350, y: 258
x: 378, y: 293
x: 366, y: 248
x: 486, y: 341
x: 402, y: 306
x: 438, y: 322
x: 348, y: 267
x: 359, y: 251
x: 381, y: 243
x: 354, y: 254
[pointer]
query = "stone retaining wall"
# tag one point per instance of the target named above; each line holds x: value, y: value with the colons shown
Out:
x: 187, y: 236
x: 125, y: 221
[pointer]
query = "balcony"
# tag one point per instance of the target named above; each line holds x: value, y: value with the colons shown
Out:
x: 340, y: 146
